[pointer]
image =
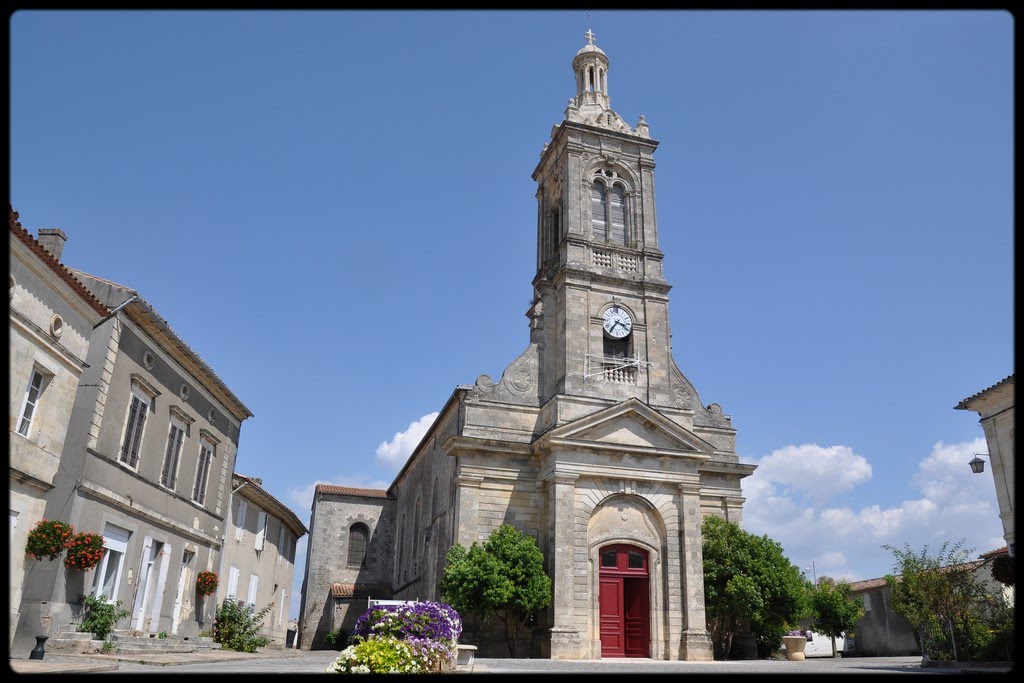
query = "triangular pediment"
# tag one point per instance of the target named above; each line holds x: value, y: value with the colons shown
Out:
x: 631, y: 424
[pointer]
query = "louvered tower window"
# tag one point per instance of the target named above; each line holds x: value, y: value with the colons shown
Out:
x: 598, y: 210
x: 617, y: 215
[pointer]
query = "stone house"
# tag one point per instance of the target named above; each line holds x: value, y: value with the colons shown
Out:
x: 51, y: 317
x: 881, y: 632
x: 257, y: 563
x: 348, y: 559
x: 593, y: 441
x: 995, y: 408
x: 147, y: 462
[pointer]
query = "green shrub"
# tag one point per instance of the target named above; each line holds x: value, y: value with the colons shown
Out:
x: 235, y: 628
x: 378, y: 655
x: 107, y: 647
x: 99, y: 616
x: 337, y: 640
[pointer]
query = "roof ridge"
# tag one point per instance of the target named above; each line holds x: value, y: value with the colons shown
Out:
x: 54, y: 264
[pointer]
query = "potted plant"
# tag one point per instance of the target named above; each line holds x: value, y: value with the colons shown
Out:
x: 48, y: 539
x: 206, y: 583
x: 795, y: 642
x: 85, y: 550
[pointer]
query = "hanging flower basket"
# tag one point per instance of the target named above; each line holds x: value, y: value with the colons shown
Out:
x: 206, y: 583
x: 48, y: 539
x: 1003, y: 569
x: 85, y: 550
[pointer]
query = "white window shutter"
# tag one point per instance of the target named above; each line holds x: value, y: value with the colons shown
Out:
x: 254, y: 583
x: 261, y: 529
x: 233, y: 582
x: 240, y: 523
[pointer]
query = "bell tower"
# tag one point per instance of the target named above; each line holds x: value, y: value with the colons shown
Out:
x: 600, y: 312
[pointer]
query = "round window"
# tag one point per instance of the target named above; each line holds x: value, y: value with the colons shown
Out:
x: 149, y: 360
x: 212, y: 415
x: 184, y: 391
x: 56, y: 325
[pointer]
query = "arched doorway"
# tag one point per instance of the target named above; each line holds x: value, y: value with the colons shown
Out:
x: 624, y: 601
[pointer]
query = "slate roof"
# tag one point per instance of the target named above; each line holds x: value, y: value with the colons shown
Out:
x: 56, y: 266
x: 350, y: 491
x: 361, y: 590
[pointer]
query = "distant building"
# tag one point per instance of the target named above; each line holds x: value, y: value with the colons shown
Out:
x: 51, y: 318
x: 348, y: 559
x: 995, y: 406
x: 258, y: 561
x: 882, y: 632
x: 147, y: 463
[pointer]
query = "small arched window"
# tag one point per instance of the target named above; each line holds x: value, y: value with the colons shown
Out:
x: 358, y: 538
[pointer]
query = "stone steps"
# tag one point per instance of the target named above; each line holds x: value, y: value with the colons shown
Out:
x: 128, y: 642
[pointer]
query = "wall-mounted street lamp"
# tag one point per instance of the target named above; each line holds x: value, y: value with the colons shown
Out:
x: 978, y: 465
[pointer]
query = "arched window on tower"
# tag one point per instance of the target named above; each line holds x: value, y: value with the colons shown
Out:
x: 598, y: 211
x: 358, y: 538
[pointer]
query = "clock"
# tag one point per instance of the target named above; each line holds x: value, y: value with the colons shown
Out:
x: 617, y: 323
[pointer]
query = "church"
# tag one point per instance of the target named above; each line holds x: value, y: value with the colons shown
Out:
x: 592, y: 441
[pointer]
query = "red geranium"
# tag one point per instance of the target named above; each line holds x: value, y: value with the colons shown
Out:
x: 48, y: 539
x: 85, y: 550
x: 206, y: 583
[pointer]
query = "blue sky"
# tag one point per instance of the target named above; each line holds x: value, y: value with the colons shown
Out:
x: 302, y: 194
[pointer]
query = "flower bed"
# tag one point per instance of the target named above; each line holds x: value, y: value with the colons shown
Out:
x: 414, y: 637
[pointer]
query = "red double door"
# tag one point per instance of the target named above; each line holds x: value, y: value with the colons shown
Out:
x: 624, y: 601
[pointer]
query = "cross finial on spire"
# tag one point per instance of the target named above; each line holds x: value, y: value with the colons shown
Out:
x: 589, y: 35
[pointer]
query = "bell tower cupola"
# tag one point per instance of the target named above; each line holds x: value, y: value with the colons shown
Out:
x: 591, y: 68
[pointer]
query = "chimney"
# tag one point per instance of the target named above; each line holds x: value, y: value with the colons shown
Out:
x: 257, y: 480
x: 53, y: 240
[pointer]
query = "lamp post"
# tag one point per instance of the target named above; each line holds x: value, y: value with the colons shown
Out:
x: 977, y: 464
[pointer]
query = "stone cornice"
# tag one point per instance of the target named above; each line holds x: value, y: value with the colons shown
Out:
x: 42, y: 339
x: 459, y: 445
x: 728, y: 468
x: 26, y: 478
x: 139, y: 510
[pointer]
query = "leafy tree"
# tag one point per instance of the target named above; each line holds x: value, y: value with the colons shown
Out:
x: 748, y: 583
x: 503, y: 578
x: 832, y: 610
x: 941, y: 598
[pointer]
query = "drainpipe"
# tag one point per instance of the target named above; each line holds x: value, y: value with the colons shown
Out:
x: 112, y: 313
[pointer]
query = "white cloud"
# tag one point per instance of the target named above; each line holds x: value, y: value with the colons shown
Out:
x: 820, y: 472
x: 394, y: 453
x: 788, y: 499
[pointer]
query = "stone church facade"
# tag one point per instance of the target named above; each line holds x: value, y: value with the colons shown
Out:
x: 593, y: 441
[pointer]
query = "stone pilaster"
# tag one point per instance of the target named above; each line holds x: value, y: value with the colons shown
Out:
x: 565, y: 638
x: 467, y: 510
x: 695, y: 641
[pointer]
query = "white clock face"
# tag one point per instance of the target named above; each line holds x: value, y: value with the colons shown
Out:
x: 617, y: 322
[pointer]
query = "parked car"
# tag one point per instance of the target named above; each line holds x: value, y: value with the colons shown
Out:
x: 820, y: 645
